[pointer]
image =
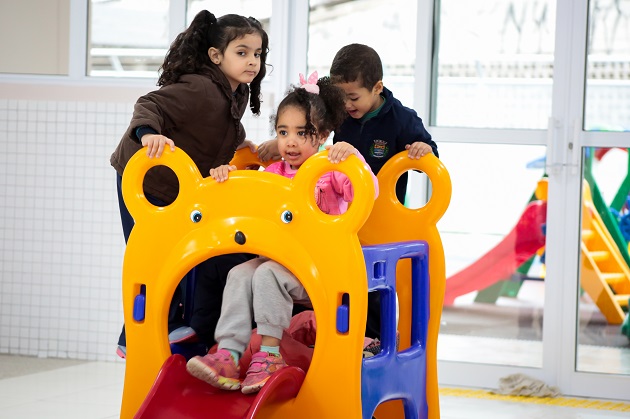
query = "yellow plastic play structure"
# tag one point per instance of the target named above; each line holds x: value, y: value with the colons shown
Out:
x: 605, y: 275
x: 266, y: 214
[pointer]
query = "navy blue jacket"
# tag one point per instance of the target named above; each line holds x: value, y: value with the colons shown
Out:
x: 379, y: 138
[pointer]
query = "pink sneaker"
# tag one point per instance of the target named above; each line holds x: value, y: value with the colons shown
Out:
x: 262, y: 366
x: 121, y: 351
x: 371, y: 347
x: 218, y: 370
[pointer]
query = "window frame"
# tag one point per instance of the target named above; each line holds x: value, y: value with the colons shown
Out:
x: 288, y: 41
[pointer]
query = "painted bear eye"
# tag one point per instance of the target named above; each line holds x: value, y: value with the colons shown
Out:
x: 286, y: 217
x: 195, y: 216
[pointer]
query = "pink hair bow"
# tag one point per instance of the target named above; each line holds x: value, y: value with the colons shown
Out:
x: 309, y: 85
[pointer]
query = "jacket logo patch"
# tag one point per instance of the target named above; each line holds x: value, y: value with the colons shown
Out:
x: 379, y: 149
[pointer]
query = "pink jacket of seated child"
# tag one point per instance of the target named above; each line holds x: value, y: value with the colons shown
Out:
x: 333, y: 191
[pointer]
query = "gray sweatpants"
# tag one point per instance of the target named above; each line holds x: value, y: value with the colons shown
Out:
x: 261, y: 289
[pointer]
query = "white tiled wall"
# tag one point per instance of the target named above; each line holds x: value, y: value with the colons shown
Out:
x: 61, y: 239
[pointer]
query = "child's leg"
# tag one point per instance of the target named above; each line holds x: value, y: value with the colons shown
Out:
x: 234, y: 328
x: 233, y: 331
x: 274, y: 288
x: 211, y: 279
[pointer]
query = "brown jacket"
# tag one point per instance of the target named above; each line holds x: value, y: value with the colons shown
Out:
x: 202, y: 117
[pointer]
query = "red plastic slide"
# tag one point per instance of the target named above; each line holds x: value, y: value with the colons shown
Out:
x: 502, y: 260
x: 177, y: 394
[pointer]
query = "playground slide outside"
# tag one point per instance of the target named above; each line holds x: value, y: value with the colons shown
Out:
x: 504, y: 259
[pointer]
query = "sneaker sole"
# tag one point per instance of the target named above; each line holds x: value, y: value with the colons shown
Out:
x: 121, y: 353
x: 254, y: 388
x: 183, y: 334
x: 199, y: 370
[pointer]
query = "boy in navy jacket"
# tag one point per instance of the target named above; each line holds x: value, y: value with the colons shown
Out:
x: 379, y: 125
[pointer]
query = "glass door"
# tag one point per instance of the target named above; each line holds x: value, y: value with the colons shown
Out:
x: 491, y: 98
x: 602, y: 321
x: 530, y: 104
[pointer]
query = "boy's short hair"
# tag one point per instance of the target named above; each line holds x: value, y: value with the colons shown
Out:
x: 357, y: 62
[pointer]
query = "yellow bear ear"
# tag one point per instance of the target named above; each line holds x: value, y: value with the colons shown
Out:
x: 185, y: 169
x: 440, y: 191
x: 305, y: 181
x: 410, y: 223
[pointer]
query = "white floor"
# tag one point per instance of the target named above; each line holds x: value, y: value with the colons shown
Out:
x: 93, y: 391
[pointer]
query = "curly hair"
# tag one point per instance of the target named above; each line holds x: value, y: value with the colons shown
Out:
x: 188, y: 54
x: 324, y: 112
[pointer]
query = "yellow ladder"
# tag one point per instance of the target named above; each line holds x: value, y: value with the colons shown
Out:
x: 605, y: 275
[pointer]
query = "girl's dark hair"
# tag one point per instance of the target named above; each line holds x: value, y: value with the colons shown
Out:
x: 324, y: 111
x: 188, y: 54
